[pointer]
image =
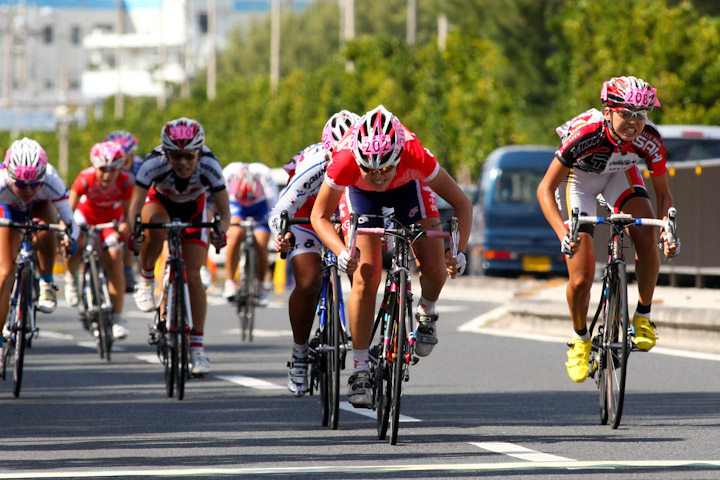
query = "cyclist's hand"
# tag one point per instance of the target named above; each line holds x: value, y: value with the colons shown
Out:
x: 124, y: 229
x: 284, y: 245
x: 136, y: 243
x: 347, y: 264
x: 455, y: 266
x: 69, y: 246
x: 570, y: 247
x: 670, y: 250
x: 218, y: 241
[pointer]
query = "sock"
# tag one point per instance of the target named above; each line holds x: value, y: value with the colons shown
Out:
x: 300, y: 351
x: 196, y: 341
x: 47, y: 277
x: 147, y: 275
x: 642, y: 310
x: 361, y: 361
x: 583, y: 334
x: 426, y: 306
x: 117, y: 317
x: 128, y: 269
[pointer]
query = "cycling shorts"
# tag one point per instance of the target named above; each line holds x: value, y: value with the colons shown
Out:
x: 581, y: 189
x: 259, y: 211
x: 192, y: 211
x: 305, y: 240
x: 109, y: 236
x: 412, y: 202
x: 6, y: 211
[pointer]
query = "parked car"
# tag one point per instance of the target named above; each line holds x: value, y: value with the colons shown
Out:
x: 510, y: 233
x: 690, y: 142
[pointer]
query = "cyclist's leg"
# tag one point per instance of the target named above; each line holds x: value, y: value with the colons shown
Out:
x: 152, y: 212
x: 111, y: 259
x: 262, y: 235
x: 46, y: 244
x: 195, y: 256
x: 235, y: 237
x: 73, y: 262
x: 9, y: 246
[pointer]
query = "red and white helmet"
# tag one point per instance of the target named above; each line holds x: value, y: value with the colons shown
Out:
x: 107, y: 154
x: 246, y: 187
x: 629, y: 92
x: 26, y: 161
x: 336, y: 127
x: 379, y: 137
x: 182, y: 134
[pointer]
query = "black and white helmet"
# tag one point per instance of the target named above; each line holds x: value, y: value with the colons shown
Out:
x: 26, y: 161
x: 183, y: 134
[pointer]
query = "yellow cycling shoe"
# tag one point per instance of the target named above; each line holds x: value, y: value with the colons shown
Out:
x: 578, y: 359
x: 645, y: 333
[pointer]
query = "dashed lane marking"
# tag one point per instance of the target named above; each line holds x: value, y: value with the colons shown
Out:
x: 522, y: 453
x: 250, y: 382
x: 366, y: 412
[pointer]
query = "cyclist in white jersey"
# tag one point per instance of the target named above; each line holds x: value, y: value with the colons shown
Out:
x: 171, y: 183
x: 307, y: 174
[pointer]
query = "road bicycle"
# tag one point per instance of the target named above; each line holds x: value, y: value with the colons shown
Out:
x: 612, y: 341
x: 331, y: 342
x: 20, y: 328
x: 392, y: 351
x: 96, y: 309
x: 246, y: 295
x: 173, y: 323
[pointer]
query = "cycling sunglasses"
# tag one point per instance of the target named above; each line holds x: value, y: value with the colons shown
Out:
x: 23, y: 185
x: 371, y: 171
x: 626, y: 114
x: 177, y: 155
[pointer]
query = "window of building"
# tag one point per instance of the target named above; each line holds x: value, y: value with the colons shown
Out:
x: 47, y: 34
x: 203, y: 23
x: 75, y: 35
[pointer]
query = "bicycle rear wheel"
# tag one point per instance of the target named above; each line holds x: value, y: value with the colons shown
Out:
x: 22, y: 325
x: 400, y: 361
x: 248, y: 296
x: 616, y: 341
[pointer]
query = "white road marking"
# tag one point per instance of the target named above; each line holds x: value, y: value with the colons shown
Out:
x: 250, y: 382
x: 522, y: 453
x: 149, y: 358
x: 262, y: 333
x: 688, y: 465
x: 366, y: 412
x: 93, y: 346
x: 479, y: 322
x: 54, y: 335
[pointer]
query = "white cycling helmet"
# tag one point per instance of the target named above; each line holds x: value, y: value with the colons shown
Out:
x: 26, y: 161
x: 336, y: 127
x: 378, y: 139
x: 183, y: 134
x: 107, y: 154
x: 629, y: 92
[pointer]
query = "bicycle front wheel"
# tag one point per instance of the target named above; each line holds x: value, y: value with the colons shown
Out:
x: 400, y: 360
x: 333, y: 357
x: 22, y: 325
x: 181, y: 333
x: 616, y: 346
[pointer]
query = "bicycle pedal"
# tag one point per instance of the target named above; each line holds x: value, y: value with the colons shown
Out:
x: 415, y: 360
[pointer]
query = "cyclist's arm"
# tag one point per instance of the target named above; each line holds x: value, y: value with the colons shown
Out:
x: 327, y: 201
x: 221, y: 199
x: 137, y: 199
x: 444, y: 185
x: 555, y: 174
x: 74, y: 199
x: 664, y: 198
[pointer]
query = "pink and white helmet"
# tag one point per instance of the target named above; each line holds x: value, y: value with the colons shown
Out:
x: 629, y: 92
x: 379, y: 137
x: 246, y: 187
x: 336, y: 127
x: 182, y: 134
x: 26, y: 161
x: 107, y: 154
x: 123, y: 138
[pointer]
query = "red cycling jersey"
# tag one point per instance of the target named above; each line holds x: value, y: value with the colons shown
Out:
x: 416, y: 163
x: 98, y: 204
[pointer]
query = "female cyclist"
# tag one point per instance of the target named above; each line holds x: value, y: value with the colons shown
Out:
x: 101, y: 194
x: 598, y: 155
x: 383, y: 164
x: 171, y: 183
x: 307, y: 172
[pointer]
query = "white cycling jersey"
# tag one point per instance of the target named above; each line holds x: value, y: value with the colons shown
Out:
x: 262, y: 172
x: 52, y: 189
x: 157, y: 172
x: 301, y: 191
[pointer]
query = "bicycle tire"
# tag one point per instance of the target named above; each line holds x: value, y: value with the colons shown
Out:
x: 318, y: 374
x: 617, y: 356
x: 107, y: 313
x: 382, y: 384
x: 181, y: 332
x: 599, y: 343
x: 103, y: 341
x: 22, y: 324
x: 399, y: 362
x: 333, y: 322
x: 247, y: 317
x: 169, y: 342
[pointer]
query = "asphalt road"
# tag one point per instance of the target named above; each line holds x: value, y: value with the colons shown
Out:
x: 487, y: 403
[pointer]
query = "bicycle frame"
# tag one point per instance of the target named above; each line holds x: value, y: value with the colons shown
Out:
x: 246, y: 296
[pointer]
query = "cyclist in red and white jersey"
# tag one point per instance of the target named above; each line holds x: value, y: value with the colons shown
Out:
x: 383, y: 164
x: 170, y: 184
x: 599, y: 155
x: 101, y: 194
x: 252, y: 193
x: 131, y: 164
x: 31, y: 188
x: 307, y: 174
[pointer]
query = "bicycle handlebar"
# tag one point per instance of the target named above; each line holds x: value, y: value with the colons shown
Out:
x: 176, y: 224
x: 32, y: 225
